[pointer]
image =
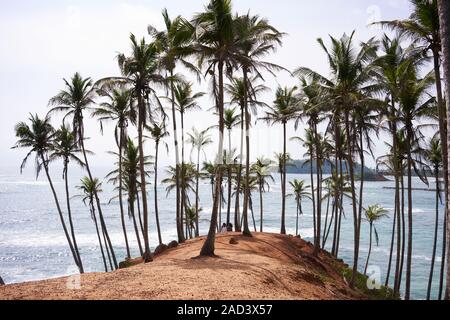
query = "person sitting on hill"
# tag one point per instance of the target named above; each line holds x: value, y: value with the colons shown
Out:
x: 230, y: 227
x: 224, y: 228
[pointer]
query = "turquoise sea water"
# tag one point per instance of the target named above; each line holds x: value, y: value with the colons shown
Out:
x: 33, y: 246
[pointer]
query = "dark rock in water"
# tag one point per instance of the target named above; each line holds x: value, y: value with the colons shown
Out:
x: 160, y: 249
x: 172, y: 245
x: 233, y: 241
x: 2, y: 283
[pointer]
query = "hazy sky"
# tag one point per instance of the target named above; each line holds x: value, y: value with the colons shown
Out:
x: 43, y: 41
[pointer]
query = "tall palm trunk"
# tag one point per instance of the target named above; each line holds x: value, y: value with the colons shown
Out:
x: 436, y: 229
x: 158, y: 227
x: 179, y: 220
x: 391, y: 252
x: 69, y: 212
x: 283, y: 182
x: 197, y: 196
x: 370, y: 249
x: 147, y: 253
x: 410, y: 218
x: 229, y: 180
x: 182, y: 186
x: 261, y: 207
x: 444, y: 14
x: 136, y: 229
x: 246, y: 231
x: 91, y: 204
x: 403, y: 228
x: 208, y: 248
x: 237, y: 218
x: 108, y: 244
x: 352, y: 186
x: 61, y: 217
x: 319, y: 195
x: 122, y: 214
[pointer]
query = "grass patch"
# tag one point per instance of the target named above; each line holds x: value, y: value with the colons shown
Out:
x: 384, y: 293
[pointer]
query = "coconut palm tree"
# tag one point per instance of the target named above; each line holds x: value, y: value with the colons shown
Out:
x: 38, y: 138
x: 435, y: 159
x: 74, y: 101
x: 131, y: 184
x: 444, y: 9
x: 198, y: 140
x: 231, y: 120
x: 261, y: 171
x: 215, y: 48
x: 117, y: 108
x: 285, y: 109
x: 414, y: 104
x: 423, y: 28
x: 141, y: 71
x: 88, y: 189
x: 176, y: 44
x: 373, y: 214
x: 349, y: 88
x: 255, y: 38
x: 300, y: 190
x: 65, y: 147
x: 236, y: 89
x: 157, y: 133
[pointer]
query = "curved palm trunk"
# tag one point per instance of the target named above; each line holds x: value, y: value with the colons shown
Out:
x: 237, y: 218
x: 283, y: 183
x: 197, y: 196
x: 261, y: 208
x: 98, y: 234
x: 444, y: 12
x: 229, y: 180
x: 69, y: 212
x: 436, y: 229
x: 136, y: 229
x: 108, y: 243
x: 138, y: 203
x: 147, y: 253
x: 403, y: 228
x: 122, y: 214
x: 179, y: 220
x: 410, y: 220
x: 61, y: 217
x: 208, y: 248
x: 246, y: 231
x: 158, y: 227
x: 370, y: 249
x: 325, y: 227
x: 391, y: 252
x: 355, y: 211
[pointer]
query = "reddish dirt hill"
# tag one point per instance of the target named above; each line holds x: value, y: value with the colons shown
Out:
x: 267, y: 266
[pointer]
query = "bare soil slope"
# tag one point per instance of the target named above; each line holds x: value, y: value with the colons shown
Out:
x: 267, y: 266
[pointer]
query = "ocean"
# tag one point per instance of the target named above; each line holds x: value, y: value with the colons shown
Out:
x: 33, y: 246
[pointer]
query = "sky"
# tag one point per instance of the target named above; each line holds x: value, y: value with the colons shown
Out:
x: 43, y: 41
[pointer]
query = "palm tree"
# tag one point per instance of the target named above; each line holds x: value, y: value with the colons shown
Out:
x: 74, y: 101
x: 414, y: 104
x: 444, y: 9
x: 435, y: 158
x: 131, y: 184
x: 300, y: 189
x: 117, y: 108
x: 215, y: 40
x: 285, y: 108
x: 236, y: 89
x: 373, y: 214
x: 349, y: 89
x: 261, y: 171
x: 141, y: 72
x: 423, y: 27
x: 38, y: 137
x: 66, y: 148
x: 157, y: 133
x: 255, y: 38
x: 231, y: 120
x: 176, y: 44
x: 88, y: 188
x: 198, y: 140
